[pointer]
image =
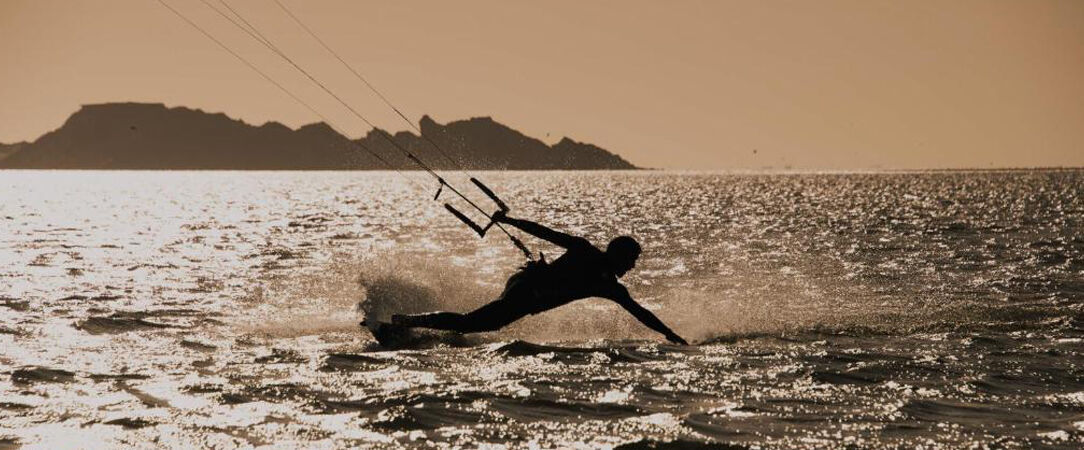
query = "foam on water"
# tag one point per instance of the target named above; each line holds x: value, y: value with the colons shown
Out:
x: 403, y: 283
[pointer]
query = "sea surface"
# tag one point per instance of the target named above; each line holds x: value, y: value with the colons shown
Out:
x: 860, y: 310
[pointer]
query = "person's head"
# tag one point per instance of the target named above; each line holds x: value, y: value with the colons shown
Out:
x: 622, y: 253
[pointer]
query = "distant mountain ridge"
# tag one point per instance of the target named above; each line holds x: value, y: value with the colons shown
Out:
x: 7, y: 149
x: 152, y: 136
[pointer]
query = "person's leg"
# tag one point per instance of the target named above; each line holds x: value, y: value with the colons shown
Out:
x: 515, y: 302
x: 491, y: 317
x: 494, y: 316
x: 436, y: 320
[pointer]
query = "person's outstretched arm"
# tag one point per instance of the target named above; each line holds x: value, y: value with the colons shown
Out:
x: 622, y: 297
x: 541, y: 231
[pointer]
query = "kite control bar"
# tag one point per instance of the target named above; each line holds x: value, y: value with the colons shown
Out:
x: 470, y: 223
x: 490, y: 193
x: 481, y: 230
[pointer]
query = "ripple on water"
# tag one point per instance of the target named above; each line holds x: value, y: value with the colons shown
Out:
x: 34, y: 375
x: 351, y: 362
x: 535, y: 409
x: 119, y: 323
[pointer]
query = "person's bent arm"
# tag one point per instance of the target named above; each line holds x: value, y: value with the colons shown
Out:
x: 541, y: 231
x: 622, y: 297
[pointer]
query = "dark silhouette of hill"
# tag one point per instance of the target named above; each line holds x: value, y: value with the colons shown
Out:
x: 7, y: 149
x: 152, y: 136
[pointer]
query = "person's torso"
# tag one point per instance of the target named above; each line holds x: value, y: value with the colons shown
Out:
x: 580, y: 272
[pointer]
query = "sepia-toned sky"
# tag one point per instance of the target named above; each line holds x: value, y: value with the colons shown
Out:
x: 671, y: 84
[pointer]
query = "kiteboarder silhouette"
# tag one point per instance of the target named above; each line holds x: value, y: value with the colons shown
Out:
x: 582, y: 271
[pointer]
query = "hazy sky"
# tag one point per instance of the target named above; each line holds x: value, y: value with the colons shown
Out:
x: 675, y: 84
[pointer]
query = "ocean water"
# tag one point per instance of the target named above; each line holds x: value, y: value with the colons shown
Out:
x: 220, y: 309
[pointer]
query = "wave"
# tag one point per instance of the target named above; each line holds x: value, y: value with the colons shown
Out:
x: 678, y: 444
x: 349, y: 362
x: 615, y: 352
x: 119, y: 324
x: 32, y: 375
x: 941, y: 410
